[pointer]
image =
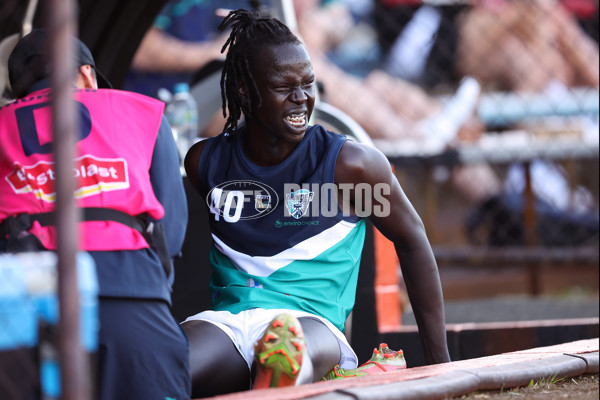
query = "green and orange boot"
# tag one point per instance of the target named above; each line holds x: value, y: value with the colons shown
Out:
x: 279, y: 353
x: 383, y: 360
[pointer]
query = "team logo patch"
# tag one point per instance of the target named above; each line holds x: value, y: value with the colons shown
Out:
x: 298, y: 202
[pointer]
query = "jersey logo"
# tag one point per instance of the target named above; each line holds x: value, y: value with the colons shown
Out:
x: 94, y: 175
x: 298, y: 202
x: 232, y: 200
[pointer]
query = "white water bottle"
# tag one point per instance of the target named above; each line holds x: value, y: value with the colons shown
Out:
x: 182, y: 113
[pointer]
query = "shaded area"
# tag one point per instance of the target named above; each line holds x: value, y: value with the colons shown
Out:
x: 515, y: 308
x: 112, y: 29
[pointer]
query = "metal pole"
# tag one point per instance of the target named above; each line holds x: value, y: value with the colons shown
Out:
x: 75, y: 376
x: 530, y: 230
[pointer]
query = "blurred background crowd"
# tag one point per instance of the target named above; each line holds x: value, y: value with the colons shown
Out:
x: 425, y: 77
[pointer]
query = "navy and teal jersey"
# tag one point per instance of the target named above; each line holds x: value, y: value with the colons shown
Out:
x: 280, y: 239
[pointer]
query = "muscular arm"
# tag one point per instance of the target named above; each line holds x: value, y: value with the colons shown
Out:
x: 400, y: 223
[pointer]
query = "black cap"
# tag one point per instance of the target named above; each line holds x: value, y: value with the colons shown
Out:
x: 28, y: 63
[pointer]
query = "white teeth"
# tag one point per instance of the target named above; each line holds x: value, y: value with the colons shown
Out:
x: 297, y: 119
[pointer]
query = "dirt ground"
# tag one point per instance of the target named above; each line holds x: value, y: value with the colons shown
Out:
x: 584, y: 387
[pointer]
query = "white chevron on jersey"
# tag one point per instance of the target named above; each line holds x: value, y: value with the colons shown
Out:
x: 306, y: 250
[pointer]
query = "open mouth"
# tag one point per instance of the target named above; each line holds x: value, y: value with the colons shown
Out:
x: 296, y: 120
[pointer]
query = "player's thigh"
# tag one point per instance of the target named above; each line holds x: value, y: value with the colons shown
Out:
x: 216, y: 365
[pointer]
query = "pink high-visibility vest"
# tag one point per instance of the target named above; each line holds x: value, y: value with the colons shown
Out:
x: 117, y: 134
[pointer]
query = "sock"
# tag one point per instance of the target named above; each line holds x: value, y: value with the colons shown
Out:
x: 306, y: 371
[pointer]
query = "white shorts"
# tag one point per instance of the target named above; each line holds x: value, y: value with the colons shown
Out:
x: 247, y: 327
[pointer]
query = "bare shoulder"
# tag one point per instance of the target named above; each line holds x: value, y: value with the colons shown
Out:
x: 192, y: 160
x: 357, y: 162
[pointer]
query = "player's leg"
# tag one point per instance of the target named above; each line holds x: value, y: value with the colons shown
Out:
x: 215, y: 364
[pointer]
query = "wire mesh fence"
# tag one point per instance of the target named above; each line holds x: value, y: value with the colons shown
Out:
x: 475, y: 159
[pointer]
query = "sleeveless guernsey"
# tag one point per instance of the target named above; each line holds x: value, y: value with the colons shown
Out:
x: 280, y: 240
x: 112, y: 163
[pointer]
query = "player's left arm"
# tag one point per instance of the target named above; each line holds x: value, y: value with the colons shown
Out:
x: 390, y: 211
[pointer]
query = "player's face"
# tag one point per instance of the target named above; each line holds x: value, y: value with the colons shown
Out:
x: 286, y: 83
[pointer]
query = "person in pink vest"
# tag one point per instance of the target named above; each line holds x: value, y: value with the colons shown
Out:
x: 128, y: 185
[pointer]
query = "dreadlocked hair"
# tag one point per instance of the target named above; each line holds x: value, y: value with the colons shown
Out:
x: 249, y: 33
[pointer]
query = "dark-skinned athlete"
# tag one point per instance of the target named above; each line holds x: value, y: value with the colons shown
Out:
x: 288, y: 203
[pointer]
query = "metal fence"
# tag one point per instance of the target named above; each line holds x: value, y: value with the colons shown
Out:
x: 520, y: 164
